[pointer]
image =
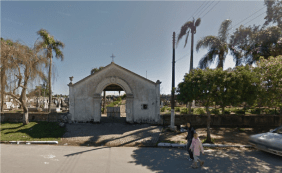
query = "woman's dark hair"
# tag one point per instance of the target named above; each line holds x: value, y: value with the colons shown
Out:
x: 190, y: 125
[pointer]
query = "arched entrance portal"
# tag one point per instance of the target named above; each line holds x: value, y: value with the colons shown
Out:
x: 108, y: 84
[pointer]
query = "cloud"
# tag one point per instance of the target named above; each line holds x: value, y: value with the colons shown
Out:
x: 65, y: 14
x: 12, y: 21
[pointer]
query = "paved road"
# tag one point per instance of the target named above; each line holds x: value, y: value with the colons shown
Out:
x: 74, y: 159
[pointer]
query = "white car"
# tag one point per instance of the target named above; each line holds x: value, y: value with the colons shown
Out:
x: 270, y: 142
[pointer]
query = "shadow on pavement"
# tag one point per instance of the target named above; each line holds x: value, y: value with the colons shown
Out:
x: 175, y: 160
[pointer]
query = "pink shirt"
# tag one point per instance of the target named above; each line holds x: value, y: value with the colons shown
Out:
x: 196, y: 146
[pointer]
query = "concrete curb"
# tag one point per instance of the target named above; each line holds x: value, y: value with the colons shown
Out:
x: 33, y: 142
x: 204, y: 145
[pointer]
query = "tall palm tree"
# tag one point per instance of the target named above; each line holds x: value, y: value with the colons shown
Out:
x: 185, y: 30
x: 217, y: 46
x: 49, y: 44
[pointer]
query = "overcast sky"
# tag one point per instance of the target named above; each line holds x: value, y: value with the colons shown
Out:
x: 139, y: 34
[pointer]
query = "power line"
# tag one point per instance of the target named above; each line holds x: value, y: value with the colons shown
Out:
x: 206, y: 8
x: 197, y: 10
x: 255, y: 18
x: 249, y: 16
x: 182, y: 57
x: 210, y: 10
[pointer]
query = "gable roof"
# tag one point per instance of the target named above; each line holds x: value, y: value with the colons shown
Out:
x: 114, y: 64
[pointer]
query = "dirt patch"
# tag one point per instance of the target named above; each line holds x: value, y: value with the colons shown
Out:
x: 228, y: 136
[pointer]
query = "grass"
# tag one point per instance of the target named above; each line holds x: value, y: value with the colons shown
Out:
x: 205, y: 140
x: 34, y: 131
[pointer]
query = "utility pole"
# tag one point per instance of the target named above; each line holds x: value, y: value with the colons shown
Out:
x: 172, y: 117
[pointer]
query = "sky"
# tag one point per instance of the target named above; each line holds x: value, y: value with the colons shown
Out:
x: 139, y: 34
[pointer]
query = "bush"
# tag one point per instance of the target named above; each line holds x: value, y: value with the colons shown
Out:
x: 215, y: 111
x: 119, y: 99
x: 199, y: 111
x: 102, y: 110
x: 177, y: 109
x: 162, y: 109
x: 255, y: 111
x: 227, y: 112
x: 240, y: 112
x: 169, y: 109
x: 184, y: 111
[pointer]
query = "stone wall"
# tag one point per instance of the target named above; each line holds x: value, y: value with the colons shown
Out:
x: 18, y: 117
x: 226, y: 120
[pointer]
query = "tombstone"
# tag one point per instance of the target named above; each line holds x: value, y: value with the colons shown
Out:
x: 193, y: 103
x: 162, y: 104
x: 45, y: 103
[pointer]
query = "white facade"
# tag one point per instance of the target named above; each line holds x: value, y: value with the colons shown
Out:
x: 85, y: 95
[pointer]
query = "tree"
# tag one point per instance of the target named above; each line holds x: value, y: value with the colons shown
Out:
x: 49, y: 44
x: 28, y: 64
x: 199, y: 85
x: 274, y: 12
x: 217, y: 46
x: 249, y: 83
x: 94, y: 70
x: 185, y: 30
x: 248, y: 44
x: 271, y: 74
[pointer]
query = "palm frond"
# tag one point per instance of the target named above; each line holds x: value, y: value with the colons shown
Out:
x: 208, y: 41
x: 198, y: 22
x: 223, y: 30
x: 187, y: 35
x: 208, y: 59
x: 183, y: 30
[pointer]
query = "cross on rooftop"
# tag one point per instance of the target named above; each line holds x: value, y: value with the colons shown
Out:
x: 112, y: 57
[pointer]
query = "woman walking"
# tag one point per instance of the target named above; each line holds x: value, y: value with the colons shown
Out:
x: 196, y: 148
x: 189, y: 138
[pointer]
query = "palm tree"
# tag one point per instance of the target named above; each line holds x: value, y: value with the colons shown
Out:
x: 49, y: 44
x: 217, y: 46
x: 185, y: 30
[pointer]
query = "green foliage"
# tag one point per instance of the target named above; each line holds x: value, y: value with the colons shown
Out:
x: 119, y: 99
x: 255, y: 111
x: 215, y: 111
x: 113, y: 104
x: 169, y: 109
x: 226, y: 112
x: 94, y: 70
x: 163, y: 109
x: 102, y: 110
x: 199, y: 111
x: 34, y: 131
x: 240, y: 111
x: 177, y: 109
x: 123, y: 96
x: 270, y: 77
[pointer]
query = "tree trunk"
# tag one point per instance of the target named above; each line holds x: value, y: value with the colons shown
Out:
x: 222, y: 109
x: 208, y: 125
x: 192, y: 48
x: 281, y: 111
x: 189, y: 108
x: 49, y: 80
x: 25, y: 109
x: 2, y: 85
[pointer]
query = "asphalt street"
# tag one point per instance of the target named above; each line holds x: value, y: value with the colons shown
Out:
x: 75, y: 159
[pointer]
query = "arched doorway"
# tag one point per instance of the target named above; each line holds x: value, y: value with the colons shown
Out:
x: 113, y: 104
x: 113, y: 83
